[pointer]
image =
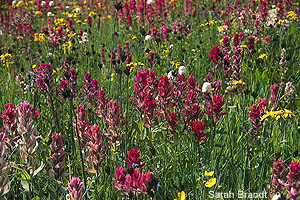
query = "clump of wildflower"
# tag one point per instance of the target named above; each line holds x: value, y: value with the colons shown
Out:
x: 277, y: 176
x: 28, y: 143
x: 4, y: 167
x: 75, y: 189
x: 58, y: 157
x: 82, y: 126
x: 274, y: 91
x: 171, y: 119
x: 289, y: 89
x: 6, y: 59
x: 133, y: 159
x: 9, y: 119
x: 255, y: 115
x: 90, y: 88
x: 198, y: 128
x: 215, y: 55
x: 113, y: 122
x: 277, y: 114
x: 293, y: 178
x: 216, y: 107
x: 95, y: 148
x: 131, y: 182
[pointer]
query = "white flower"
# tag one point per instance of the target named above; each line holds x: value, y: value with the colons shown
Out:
x: 1, y: 33
x: 289, y: 88
x: 170, y: 76
x: 49, y: 14
x: 206, y: 87
x: 181, y: 70
x: 77, y: 10
x: 20, y: 2
x: 171, y: 46
x: 67, y: 7
x: 13, y: 3
x: 51, y: 3
x: 43, y: 3
x: 49, y: 54
x: 148, y: 37
x: 149, y: 2
x: 276, y: 197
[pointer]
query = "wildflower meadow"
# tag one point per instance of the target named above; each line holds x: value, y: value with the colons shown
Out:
x: 149, y: 99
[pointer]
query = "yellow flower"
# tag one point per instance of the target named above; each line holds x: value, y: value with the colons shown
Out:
x: 6, y: 59
x: 221, y: 29
x: 92, y: 14
x: 262, y: 56
x: 38, y: 12
x: 59, y: 22
x: 180, y: 195
x: 292, y: 15
x: 134, y: 37
x: 132, y: 69
x: 166, y: 52
x: 211, y: 182
x: 175, y: 64
x: 33, y: 66
x: 288, y: 113
x: 20, y: 37
x: 171, y: 1
x: 278, y: 114
x: 209, y: 173
x: 42, y: 37
x: 112, y: 76
x: 238, y: 83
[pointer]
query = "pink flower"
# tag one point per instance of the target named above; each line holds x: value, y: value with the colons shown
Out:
x: 133, y: 159
x: 75, y: 189
x: 120, y: 173
x: 266, y: 39
x: 57, y: 159
x: 198, y: 127
x: 216, y: 107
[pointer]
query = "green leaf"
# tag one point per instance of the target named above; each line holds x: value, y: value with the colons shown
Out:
x: 25, y: 176
x: 25, y: 185
x: 38, y: 169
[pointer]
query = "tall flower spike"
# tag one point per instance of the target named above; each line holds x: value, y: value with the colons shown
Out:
x: 57, y: 159
x: 95, y: 148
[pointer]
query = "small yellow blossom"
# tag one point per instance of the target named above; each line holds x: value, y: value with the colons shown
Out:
x: 59, y: 22
x: 19, y: 37
x: 38, y: 12
x: 292, y: 15
x: 211, y: 182
x: 68, y: 46
x: 134, y: 38
x: 278, y: 114
x: 209, y: 173
x: 92, y: 14
x: 262, y: 56
x: 180, y: 196
x: 132, y: 69
x: 238, y: 83
x: 175, y: 64
x: 112, y: 76
x: 6, y: 59
x: 33, y: 66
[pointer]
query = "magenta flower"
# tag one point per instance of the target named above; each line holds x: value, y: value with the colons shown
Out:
x: 9, y: 119
x: 95, y: 147
x: 120, y: 173
x: 57, y: 159
x: 133, y: 159
x: 171, y: 120
x: 216, y: 107
x: 274, y: 91
x: 75, y: 189
x: 293, y: 178
x: 198, y: 127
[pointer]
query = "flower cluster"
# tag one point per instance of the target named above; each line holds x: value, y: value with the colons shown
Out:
x: 131, y: 181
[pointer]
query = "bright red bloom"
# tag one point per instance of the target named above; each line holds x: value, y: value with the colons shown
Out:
x: 133, y: 159
x: 198, y: 128
x: 216, y: 107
